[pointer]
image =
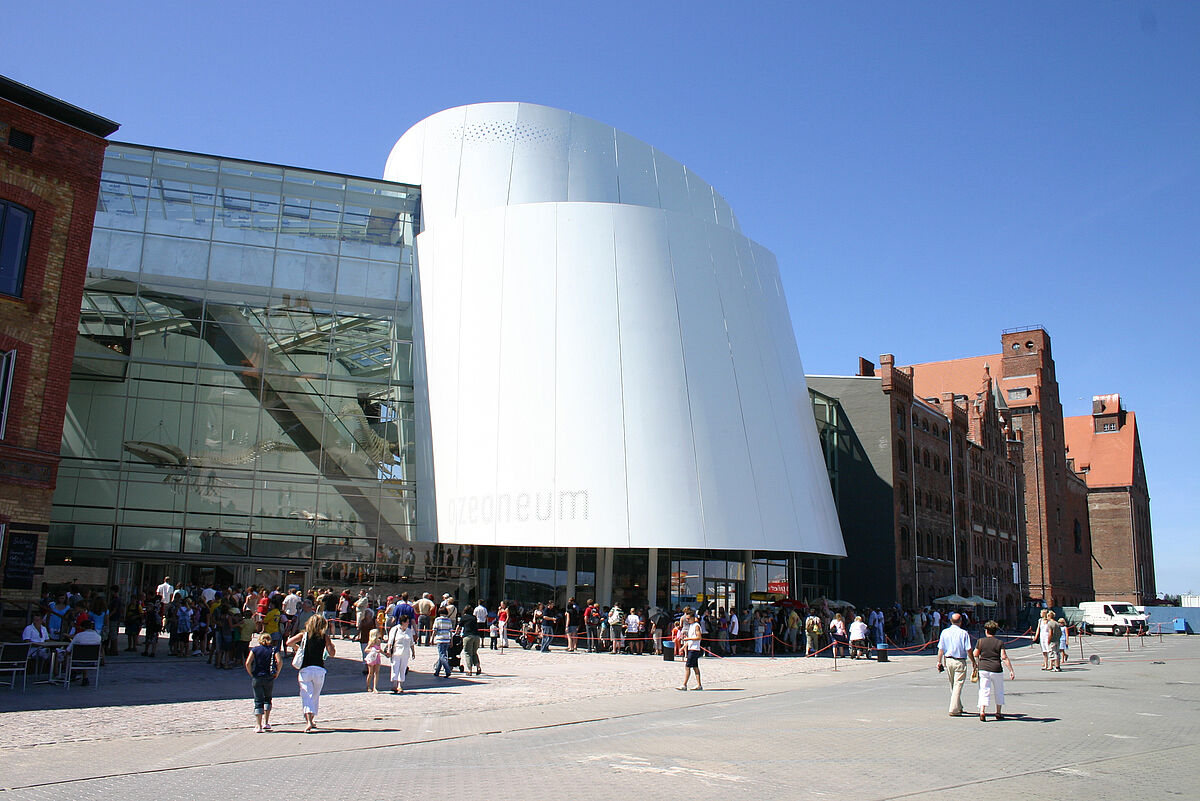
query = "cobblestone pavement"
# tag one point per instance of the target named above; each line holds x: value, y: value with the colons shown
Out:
x: 602, y: 726
x: 178, y: 696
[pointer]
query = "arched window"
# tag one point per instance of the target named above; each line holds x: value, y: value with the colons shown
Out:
x: 1078, y: 537
x: 905, y: 544
x: 925, y: 457
x: 899, y: 417
x: 902, y: 453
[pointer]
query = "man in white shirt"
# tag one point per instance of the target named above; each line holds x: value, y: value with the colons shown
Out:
x: 291, y: 603
x: 36, y: 632
x: 87, y: 635
x: 208, y: 593
x: 481, y: 613
x: 734, y: 628
x: 690, y: 640
x: 954, y: 649
x: 633, y: 624
x: 858, y: 639
x: 165, y: 590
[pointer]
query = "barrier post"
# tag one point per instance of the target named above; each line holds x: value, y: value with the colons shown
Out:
x: 833, y: 650
x: 1128, y: 647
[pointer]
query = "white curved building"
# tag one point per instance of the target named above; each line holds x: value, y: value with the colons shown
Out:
x: 609, y: 361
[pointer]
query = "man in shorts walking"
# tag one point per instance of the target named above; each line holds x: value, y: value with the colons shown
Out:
x: 690, y: 639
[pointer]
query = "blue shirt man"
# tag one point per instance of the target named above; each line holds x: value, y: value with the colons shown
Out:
x: 404, y: 609
x: 954, y: 648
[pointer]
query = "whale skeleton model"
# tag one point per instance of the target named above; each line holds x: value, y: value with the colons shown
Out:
x: 204, y: 465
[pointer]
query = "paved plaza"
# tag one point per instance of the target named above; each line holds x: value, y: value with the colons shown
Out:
x: 587, y: 726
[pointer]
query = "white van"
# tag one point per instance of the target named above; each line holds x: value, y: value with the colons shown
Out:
x: 1112, y: 617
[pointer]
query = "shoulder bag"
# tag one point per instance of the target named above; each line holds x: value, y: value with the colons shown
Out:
x: 298, y: 659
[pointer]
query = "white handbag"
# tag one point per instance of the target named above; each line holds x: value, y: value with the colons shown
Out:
x: 298, y: 659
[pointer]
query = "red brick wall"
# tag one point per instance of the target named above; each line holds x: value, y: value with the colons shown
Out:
x: 1053, y: 500
x: 1124, y: 568
x: 59, y: 181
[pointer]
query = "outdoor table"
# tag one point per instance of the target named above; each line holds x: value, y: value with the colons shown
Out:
x: 55, y: 647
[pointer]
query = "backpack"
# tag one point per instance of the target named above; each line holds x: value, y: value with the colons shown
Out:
x: 592, y: 616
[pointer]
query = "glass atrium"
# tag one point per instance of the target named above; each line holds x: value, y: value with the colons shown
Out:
x: 242, y: 392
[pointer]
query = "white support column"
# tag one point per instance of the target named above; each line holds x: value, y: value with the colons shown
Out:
x: 652, y: 580
x: 749, y: 578
x: 604, y: 575
x: 570, y: 574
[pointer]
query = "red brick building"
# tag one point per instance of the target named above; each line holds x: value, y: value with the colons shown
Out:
x: 923, y: 490
x: 966, y: 463
x: 1058, y: 541
x: 1105, y: 449
x: 51, y: 154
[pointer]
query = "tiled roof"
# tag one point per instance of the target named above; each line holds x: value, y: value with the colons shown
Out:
x: 960, y: 376
x: 1106, y: 459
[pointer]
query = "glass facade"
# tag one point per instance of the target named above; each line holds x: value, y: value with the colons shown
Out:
x: 243, y: 381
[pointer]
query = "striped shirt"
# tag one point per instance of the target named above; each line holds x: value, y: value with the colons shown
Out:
x: 443, y: 629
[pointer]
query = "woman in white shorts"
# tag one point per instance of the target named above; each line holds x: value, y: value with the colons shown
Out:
x: 989, y: 654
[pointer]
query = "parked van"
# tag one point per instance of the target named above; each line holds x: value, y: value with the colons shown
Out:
x: 1114, y: 618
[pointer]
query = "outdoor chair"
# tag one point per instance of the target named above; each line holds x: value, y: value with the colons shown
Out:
x: 83, y: 658
x: 14, y: 660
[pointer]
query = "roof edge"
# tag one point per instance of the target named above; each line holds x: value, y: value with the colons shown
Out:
x: 56, y: 109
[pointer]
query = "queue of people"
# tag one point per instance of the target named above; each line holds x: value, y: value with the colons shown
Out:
x: 256, y: 628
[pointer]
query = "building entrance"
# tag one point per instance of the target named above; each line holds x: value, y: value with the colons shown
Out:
x: 720, y: 594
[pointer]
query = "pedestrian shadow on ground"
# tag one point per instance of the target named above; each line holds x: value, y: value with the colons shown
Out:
x: 126, y: 683
x: 336, y: 730
x: 1026, y: 718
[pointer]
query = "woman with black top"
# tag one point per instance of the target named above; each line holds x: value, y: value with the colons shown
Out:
x: 468, y: 628
x: 315, y: 642
x: 989, y: 653
x: 263, y: 663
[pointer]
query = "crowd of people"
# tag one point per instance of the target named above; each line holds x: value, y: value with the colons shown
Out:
x: 256, y: 628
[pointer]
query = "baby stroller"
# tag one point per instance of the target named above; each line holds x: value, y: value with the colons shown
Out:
x: 456, y: 646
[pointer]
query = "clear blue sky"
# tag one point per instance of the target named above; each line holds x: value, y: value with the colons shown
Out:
x: 927, y: 173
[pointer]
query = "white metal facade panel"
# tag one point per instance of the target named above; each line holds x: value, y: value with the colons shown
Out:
x: 589, y: 426
x: 539, y: 158
x: 479, y: 374
x: 727, y: 491
x: 664, y: 490
x: 526, y: 413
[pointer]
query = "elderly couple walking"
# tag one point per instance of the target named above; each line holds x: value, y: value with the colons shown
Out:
x: 987, y: 665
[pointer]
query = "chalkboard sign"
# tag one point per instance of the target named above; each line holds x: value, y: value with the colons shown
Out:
x: 20, y: 559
